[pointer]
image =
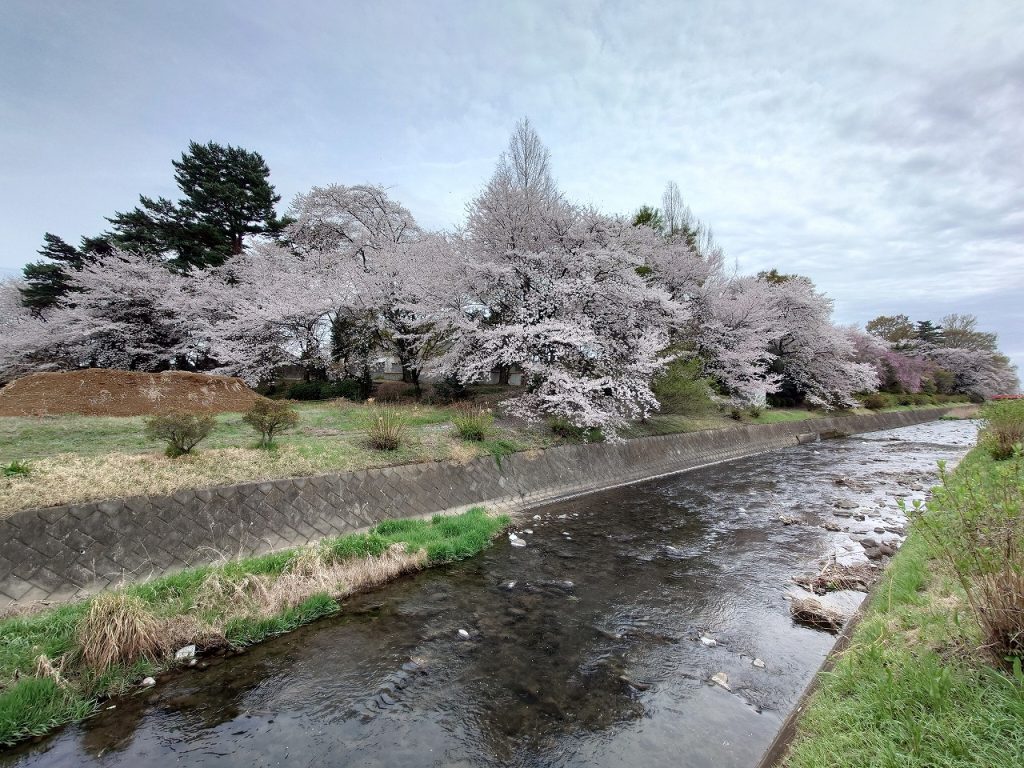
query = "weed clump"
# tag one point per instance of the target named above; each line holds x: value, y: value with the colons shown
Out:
x: 975, y: 523
x: 181, y: 431
x: 17, y: 469
x: 1003, y: 428
x: 387, y: 429
x: 119, y: 629
x: 473, y: 424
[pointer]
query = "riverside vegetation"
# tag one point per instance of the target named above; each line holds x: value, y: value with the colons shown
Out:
x: 58, y: 665
x: 73, y: 459
x: 933, y: 676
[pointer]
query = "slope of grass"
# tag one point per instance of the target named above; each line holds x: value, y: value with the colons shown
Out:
x: 72, y: 459
x: 44, y: 677
x: 915, y: 689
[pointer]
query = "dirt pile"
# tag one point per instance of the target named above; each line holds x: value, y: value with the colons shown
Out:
x: 101, y: 392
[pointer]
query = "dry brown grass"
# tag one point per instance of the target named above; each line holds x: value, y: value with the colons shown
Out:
x: 119, y: 628
x: 1001, y: 612
x: 311, y: 573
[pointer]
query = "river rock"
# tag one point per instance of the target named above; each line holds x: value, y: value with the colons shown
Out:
x: 148, y: 682
x: 758, y: 663
x: 517, y: 542
x: 464, y: 634
x: 722, y: 679
x: 708, y: 642
x: 188, y: 652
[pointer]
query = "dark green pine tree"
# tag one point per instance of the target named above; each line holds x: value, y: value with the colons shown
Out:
x: 226, y: 196
x: 47, y: 282
x: 929, y: 332
x: 647, y: 216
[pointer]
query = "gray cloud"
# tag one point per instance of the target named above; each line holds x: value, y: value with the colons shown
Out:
x: 875, y: 147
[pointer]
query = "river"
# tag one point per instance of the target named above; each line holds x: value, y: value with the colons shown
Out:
x: 584, y: 647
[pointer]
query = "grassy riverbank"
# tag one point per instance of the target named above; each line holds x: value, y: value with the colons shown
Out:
x: 56, y: 666
x: 920, y: 684
x: 74, y: 459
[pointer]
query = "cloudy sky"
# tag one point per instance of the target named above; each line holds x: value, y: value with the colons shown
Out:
x: 877, y: 147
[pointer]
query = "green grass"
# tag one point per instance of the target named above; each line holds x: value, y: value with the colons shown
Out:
x: 914, y: 690
x: 31, y: 705
x: 28, y: 438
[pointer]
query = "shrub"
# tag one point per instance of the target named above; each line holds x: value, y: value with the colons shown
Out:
x: 387, y: 429
x: 564, y: 428
x: 1003, y: 428
x: 735, y: 412
x: 682, y: 390
x: 270, y: 417
x: 754, y: 411
x: 305, y: 390
x: 473, y: 424
x: 17, y: 468
x: 875, y: 401
x: 394, y: 391
x: 181, y: 431
x: 450, y: 389
x: 905, y: 399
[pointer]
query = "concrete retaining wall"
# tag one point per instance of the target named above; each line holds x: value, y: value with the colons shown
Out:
x: 61, y: 553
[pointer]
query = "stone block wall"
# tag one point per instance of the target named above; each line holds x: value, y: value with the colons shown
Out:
x: 61, y: 553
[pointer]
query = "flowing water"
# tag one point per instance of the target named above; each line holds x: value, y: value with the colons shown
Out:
x: 584, y: 647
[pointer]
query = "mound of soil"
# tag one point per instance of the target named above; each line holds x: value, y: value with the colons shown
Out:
x: 102, y: 392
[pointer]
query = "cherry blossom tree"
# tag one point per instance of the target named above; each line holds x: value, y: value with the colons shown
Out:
x: 268, y: 307
x: 586, y: 328
x: 124, y: 310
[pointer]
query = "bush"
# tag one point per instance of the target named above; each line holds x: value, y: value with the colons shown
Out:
x: 473, y: 424
x: 270, y: 417
x: 736, y: 413
x: 754, y: 411
x: 682, y: 390
x: 450, y: 389
x: 119, y: 629
x: 394, y: 391
x: 387, y: 429
x: 875, y: 401
x: 350, y: 389
x: 565, y: 429
x: 305, y: 390
x: 1003, y: 428
x: 181, y: 431
x: 17, y: 469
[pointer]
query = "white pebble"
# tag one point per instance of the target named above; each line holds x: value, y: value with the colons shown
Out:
x: 464, y: 634
x: 758, y: 663
x: 709, y: 642
x: 148, y: 682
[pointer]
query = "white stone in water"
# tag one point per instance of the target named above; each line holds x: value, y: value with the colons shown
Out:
x: 722, y: 679
x: 758, y: 663
x: 518, y: 542
x: 464, y: 634
x: 536, y: 517
x: 562, y: 517
x: 565, y: 533
x: 529, y: 531
x: 188, y: 652
x: 708, y: 642
x: 510, y: 585
x: 148, y: 682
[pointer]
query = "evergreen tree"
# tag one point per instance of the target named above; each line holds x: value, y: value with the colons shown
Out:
x: 47, y: 282
x: 929, y: 332
x: 226, y: 196
x: 647, y: 216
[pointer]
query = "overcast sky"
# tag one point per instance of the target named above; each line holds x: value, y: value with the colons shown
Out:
x: 877, y: 147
